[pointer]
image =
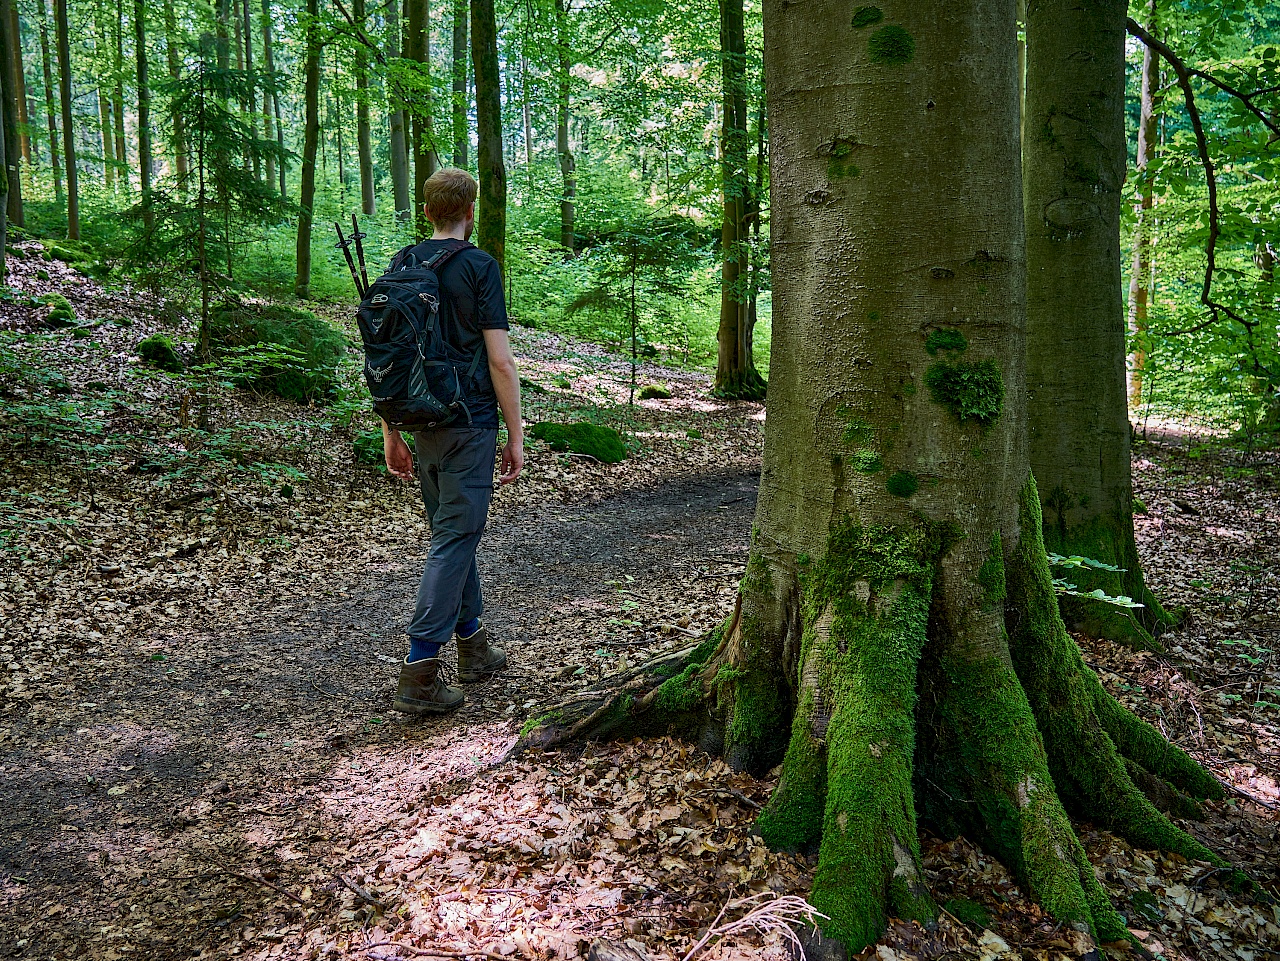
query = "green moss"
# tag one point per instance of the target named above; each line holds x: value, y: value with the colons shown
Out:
x: 303, y: 350
x: 866, y: 462
x: 970, y: 391
x: 758, y: 577
x: 857, y: 433
x: 840, y: 160
x: 902, y: 484
x: 991, y: 575
x: 866, y: 17
x: 654, y: 392
x: 945, y: 339
x: 603, y: 443
x: 792, y: 821
x: 891, y: 46
x: 1139, y: 506
x: 532, y: 723
x: 681, y: 693
x: 158, y: 351
x: 969, y: 913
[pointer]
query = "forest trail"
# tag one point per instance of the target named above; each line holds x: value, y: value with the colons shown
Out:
x: 218, y: 758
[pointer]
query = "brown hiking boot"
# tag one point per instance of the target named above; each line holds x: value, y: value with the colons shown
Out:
x: 477, y: 659
x: 422, y: 691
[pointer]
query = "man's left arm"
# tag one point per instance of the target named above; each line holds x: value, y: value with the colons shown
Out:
x: 506, y: 384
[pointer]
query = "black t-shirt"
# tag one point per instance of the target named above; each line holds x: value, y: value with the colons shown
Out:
x: 472, y: 286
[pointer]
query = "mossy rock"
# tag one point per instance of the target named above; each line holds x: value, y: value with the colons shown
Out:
x: 72, y: 252
x: 367, y: 446
x: 42, y: 274
x: 654, y: 392
x: 62, y: 314
x: 158, y: 351
x: 319, y: 344
x: 603, y: 443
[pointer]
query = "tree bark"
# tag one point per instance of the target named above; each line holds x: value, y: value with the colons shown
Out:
x: 144, y: 107
x: 252, y: 97
x: 491, y: 222
x: 117, y: 101
x: 1075, y: 159
x: 49, y: 108
x: 1140, y: 277
x: 269, y: 59
x: 20, y: 82
x: 417, y: 48
x: 310, y: 140
x: 461, y: 133
x: 179, y: 143
x: 4, y: 195
x: 897, y: 605
x: 736, y: 374
x: 364, y: 143
x: 68, y: 128
x: 568, y: 166
x: 108, y: 141
x: 10, y: 50
x: 526, y: 115
x: 396, y: 120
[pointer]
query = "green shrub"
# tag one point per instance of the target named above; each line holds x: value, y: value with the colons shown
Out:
x: 62, y: 314
x: 531, y: 386
x: 317, y: 345
x: 603, y: 443
x: 158, y: 351
x: 368, y: 447
x: 654, y: 392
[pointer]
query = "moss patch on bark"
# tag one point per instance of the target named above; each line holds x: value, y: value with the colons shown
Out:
x: 970, y: 391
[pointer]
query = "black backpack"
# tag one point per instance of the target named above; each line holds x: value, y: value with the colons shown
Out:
x: 414, y: 375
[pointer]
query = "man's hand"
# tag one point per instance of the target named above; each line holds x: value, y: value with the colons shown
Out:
x: 512, y: 459
x: 396, y: 451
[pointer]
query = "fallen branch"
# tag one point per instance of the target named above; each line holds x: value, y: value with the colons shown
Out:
x: 780, y: 915
x: 362, y: 894
x: 436, y: 952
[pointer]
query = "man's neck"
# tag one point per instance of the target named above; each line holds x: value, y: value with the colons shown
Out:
x: 456, y: 232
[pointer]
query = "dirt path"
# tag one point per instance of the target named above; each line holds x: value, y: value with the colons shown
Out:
x: 197, y: 786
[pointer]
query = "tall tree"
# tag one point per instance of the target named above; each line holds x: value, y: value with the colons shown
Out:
x: 568, y: 165
x: 310, y: 140
x: 117, y: 98
x: 461, y: 133
x: 398, y: 147
x: 736, y: 374
x: 1140, y: 276
x: 5, y: 81
x: 364, y: 143
x: 251, y: 94
x: 1075, y: 158
x: 20, y: 82
x: 179, y: 139
x: 491, y: 223
x: 144, y: 106
x: 897, y: 606
x: 417, y: 48
x: 269, y: 61
x: 68, y: 127
x: 49, y: 108
x: 9, y: 50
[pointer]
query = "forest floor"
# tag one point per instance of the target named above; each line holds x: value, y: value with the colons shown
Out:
x: 201, y: 631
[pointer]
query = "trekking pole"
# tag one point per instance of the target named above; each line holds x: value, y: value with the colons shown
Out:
x: 344, y: 245
x: 358, y: 235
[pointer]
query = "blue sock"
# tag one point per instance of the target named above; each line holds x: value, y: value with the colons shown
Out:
x: 467, y: 628
x: 420, y: 648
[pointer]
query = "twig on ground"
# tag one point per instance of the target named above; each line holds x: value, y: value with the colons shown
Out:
x: 253, y: 879
x: 320, y: 690
x: 436, y: 952
x: 362, y: 894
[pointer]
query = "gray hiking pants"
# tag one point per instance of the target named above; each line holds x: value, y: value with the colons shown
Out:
x: 455, y: 467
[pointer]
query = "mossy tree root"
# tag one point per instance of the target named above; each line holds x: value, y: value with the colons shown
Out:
x: 1076, y: 717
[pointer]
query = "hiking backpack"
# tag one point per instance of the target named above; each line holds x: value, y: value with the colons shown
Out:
x: 414, y: 376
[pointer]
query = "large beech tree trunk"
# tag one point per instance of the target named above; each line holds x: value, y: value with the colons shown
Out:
x: 144, y: 106
x: 1140, y: 276
x: 491, y: 220
x: 20, y: 82
x: 310, y: 141
x: 11, y: 51
x: 736, y: 374
x: 68, y: 128
x: 896, y: 640
x: 461, y: 133
x: 1075, y: 158
x: 417, y: 47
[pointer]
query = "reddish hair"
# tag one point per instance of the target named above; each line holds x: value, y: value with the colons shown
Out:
x: 448, y: 194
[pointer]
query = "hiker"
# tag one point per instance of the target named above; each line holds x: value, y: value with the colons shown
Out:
x: 455, y: 463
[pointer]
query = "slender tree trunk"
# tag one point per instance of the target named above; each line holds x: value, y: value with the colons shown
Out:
x: 252, y: 97
x: 364, y: 141
x: 1139, y: 290
x: 4, y: 197
x: 736, y: 374
x: 117, y: 101
x: 897, y: 605
x: 68, y: 128
x: 269, y: 60
x: 526, y: 112
x: 1079, y: 423
x: 399, y: 149
x: 491, y: 223
x: 108, y: 142
x: 268, y: 133
x: 179, y: 142
x: 10, y: 50
x: 461, y: 133
x: 20, y: 82
x: 144, y: 107
x: 49, y: 108
x: 417, y: 47
x: 568, y: 166
x: 310, y: 139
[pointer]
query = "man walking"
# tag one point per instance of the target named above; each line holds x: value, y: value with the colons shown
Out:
x: 455, y: 463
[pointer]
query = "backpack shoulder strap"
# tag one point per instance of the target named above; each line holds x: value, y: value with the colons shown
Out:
x: 404, y: 258
x: 441, y: 257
